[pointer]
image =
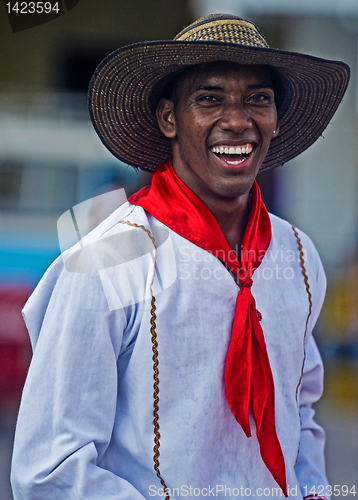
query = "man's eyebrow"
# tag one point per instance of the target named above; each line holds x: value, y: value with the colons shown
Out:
x: 208, y: 88
x: 213, y: 88
x: 262, y: 85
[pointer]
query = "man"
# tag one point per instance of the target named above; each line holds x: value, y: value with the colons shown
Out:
x: 199, y: 340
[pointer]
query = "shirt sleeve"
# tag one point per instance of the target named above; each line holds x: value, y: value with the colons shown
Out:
x: 310, y: 465
x: 69, y: 401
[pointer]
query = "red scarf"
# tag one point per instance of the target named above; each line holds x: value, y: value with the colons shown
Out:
x: 248, y: 377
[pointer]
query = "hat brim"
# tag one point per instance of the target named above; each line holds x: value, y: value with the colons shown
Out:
x: 120, y: 96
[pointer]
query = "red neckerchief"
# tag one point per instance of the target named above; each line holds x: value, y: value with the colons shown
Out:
x: 248, y: 377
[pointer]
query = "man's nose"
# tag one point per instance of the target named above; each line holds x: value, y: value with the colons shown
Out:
x: 235, y: 117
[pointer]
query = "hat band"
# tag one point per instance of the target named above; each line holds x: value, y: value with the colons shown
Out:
x: 212, y: 24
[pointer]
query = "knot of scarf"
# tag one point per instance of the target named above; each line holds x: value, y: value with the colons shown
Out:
x: 248, y: 378
x: 246, y: 282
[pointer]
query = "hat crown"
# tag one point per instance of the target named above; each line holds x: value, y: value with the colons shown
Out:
x: 223, y: 28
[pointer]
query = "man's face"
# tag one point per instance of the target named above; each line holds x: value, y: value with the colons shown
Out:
x: 221, y: 127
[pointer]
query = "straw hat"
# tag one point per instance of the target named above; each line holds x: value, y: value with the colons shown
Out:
x: 127, y: 85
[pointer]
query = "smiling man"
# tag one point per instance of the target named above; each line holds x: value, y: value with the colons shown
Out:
x: 143, y: 385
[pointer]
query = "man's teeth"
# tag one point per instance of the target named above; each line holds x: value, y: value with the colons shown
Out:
x: 237, y: 162
x: 229, y: 150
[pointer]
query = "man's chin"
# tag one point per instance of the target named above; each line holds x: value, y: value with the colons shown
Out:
x: 235, y: 190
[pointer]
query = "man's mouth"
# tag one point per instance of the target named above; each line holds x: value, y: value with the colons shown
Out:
x: 233, y: 155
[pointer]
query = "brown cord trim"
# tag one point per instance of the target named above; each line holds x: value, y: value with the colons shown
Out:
x: 305, y: 277
x: 155, y: 362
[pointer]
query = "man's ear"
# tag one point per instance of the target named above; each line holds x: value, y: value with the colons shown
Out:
x: 166, y: 118
x: 277, y: 130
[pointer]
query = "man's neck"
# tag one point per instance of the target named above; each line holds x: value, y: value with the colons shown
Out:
x: 232, y: 219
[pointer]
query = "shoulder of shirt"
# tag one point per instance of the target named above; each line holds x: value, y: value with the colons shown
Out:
x: 285, y: 230
x: 112, y: 224
x: 284, y: 235
x: 60, y: 275
x: 107, y: 227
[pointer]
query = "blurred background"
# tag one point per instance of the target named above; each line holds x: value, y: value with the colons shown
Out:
x: 51, y: 159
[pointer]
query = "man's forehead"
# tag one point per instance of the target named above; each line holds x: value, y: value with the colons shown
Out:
x: 219, y: 66
x: 219, y: 70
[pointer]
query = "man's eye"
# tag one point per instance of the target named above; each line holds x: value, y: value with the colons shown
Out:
x: 260, y: 98
x: 207, y: 99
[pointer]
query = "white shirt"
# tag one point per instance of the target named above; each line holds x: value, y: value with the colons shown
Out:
x: 85, y: 426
